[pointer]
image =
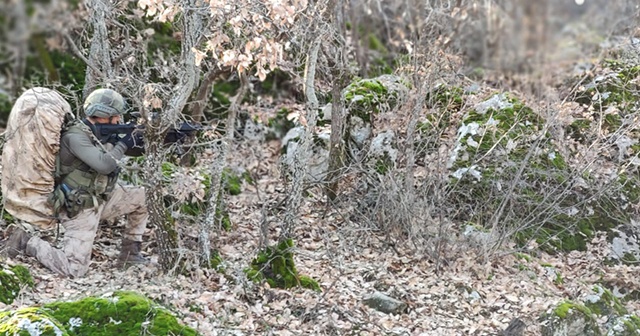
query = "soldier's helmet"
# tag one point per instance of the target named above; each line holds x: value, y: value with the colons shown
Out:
x: 104, y: 103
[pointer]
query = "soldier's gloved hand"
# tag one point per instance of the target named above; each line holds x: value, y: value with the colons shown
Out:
x: 133, y: 139
x: 112, y: 139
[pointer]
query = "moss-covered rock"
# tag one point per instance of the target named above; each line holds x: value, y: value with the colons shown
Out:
x: 615, y: 85
x: 445, y: 97
x: 573, y: 318
x: 363, y: 100
x: 602, y: 302
x: 31, y: 321
x: 12, y: 280
x: 365, y: 97
x: 569, y: 319
x: 609, y: 102
x: 119, y: 313
x: 506, y: 163
x: 499, y: 142
x: 276, y: 266
x: 570, y: 231
x: 627, y: 325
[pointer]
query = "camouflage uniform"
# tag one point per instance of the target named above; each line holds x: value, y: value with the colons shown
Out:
x: 86, y: 172
x: 73, y: 257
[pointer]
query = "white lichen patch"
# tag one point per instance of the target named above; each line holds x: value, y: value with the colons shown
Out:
x: 75, y: 322
x: 623, y: 245
x: 497, y: 102
x: 473, y: 171
x: 37, y: 328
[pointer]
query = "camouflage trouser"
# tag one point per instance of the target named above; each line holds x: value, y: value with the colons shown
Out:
x: 74, y: 255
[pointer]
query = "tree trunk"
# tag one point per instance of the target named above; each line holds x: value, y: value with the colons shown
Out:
x: 100, y: 49
x: 18, y: 39
x: 301, y: 155
x: 200, y: 101
x: 214, y: 197
x: 337, y: 144
x: 194, y: 12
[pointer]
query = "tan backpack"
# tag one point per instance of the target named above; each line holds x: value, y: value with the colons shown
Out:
x: 32, y: 142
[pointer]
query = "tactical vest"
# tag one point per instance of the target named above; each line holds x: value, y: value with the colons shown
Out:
x: 78, y: 186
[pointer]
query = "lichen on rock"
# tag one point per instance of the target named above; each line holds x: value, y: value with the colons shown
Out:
x: 569, y: 319
x: 30, y: 321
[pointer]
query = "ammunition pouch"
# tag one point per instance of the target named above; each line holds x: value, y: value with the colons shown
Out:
x: 81, y: 190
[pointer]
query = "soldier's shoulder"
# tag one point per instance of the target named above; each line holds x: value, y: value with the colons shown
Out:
x: 76, y: 126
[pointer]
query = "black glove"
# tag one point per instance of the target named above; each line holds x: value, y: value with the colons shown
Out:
x: 133, y: 139
x: 112, y: 139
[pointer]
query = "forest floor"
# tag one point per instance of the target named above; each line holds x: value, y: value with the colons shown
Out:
x: 458, y: 293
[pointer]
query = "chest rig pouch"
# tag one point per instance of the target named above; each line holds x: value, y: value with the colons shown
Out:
x: 78, y: 186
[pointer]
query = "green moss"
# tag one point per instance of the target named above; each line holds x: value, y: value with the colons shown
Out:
x: 163, y: 40
x: 11, y: 282
x: 30, y: 321
x: 308, y: 282
x: 275, y: 265
x: 5, y: 109
x: 558, y: 280
x: 23, y: 274
x: 233, y: 182
x: 123, y: 313
x: 617, y: 90
x: 280, y: 124
x: 222, y: 216
x: 629, y: 259
x: 449, y: 98
x: 604, y: 303
x: 513, y: 124
x: 565, y: 233
x: 630, y: 187
x: 215, y: 261
x: 630, y: 324
x: 383, y: 164
x: 612, y: 122
x: 578, y: 130
x: 71, y: 71
x: 376, y: 44
x: 566, y: 307
x: 523, y: 256
x: 379, y: 66
x: 365, y: 96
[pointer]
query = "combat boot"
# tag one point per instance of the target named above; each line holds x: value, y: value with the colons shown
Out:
x: 17, y: 241
x: 130, y: 253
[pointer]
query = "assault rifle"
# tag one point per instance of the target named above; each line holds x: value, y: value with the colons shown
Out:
x: 113, y: 132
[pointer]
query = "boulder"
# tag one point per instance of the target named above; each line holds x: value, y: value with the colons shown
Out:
x: 30, y: 321
x: 385, y: 303
x: 569, y: 319
x: 117, y: 313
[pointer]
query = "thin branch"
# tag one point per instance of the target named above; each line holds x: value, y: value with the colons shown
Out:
x: 78, y: 53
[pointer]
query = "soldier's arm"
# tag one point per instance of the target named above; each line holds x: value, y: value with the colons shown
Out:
x: 102, y: 162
